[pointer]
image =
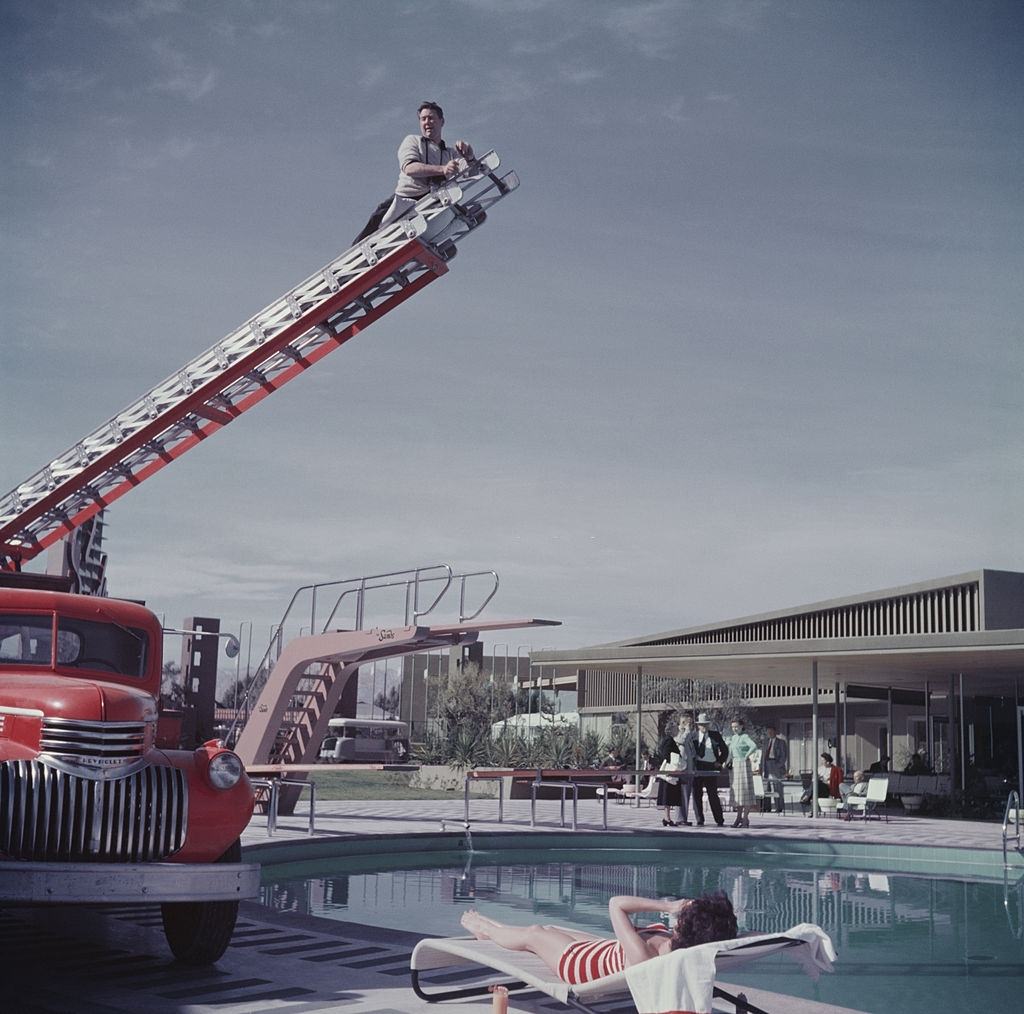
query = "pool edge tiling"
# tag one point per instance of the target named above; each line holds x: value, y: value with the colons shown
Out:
x: 364, y: 828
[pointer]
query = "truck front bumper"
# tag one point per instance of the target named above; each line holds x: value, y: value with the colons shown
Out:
x: 93, y: 883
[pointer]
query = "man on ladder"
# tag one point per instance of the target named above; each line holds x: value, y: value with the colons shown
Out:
x: 423, y: 159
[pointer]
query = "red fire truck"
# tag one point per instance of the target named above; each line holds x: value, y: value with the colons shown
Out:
x: 93, y: 809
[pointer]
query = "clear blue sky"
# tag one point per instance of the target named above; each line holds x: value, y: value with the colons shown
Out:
x: 748, y: 336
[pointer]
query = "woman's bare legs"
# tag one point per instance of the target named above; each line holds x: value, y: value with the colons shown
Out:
x: 546, y: 942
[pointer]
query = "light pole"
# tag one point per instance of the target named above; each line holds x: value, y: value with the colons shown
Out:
x: 440, y: 682
x: 494, y: 659
x: 426, y: 696
x: 529, y: 707
x: 238, y: 660
x: 540, y: 678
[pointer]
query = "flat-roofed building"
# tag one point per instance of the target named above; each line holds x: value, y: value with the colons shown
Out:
x: 936, y: 666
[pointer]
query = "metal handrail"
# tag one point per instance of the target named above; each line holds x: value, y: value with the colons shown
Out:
x: 474, y: 777
x: 563, y: 787
x: 1016, y: 928
x: 1012, y: 805
x: 412, y: 583
x: 273, y: 787
x: 411, y: 578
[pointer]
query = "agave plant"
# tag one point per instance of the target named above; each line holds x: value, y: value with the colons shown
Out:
x: 508, y: 750
x: 534, y: 752
x: 433, y: 750
x: 560, y: 747
x: 592, y: 749
x: 622, y: 740
x: 466, y: 750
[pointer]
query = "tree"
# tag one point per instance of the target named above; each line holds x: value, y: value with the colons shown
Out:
x: 389, y: 701
x: 172, y: 689
x: 233, y: 695
x: 722, y: 702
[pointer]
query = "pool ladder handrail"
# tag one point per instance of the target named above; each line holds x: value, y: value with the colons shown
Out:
x: 1012, y: 806
x: 1015, y: 920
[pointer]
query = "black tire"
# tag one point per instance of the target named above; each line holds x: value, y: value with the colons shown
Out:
x: 198, y: 932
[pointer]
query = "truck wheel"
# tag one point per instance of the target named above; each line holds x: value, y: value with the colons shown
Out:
x: 199, y: 932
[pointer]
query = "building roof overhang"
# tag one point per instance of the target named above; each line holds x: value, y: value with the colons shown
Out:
x: 990, y: 660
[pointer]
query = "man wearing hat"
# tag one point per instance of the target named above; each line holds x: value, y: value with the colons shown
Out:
x: 710, y: 752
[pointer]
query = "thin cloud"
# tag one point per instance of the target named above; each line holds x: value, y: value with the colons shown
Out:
x: 373, y: 76
x: 509, y: 6
x: 181, y: 76
x: 580, y: 75
x: 38, y: 160
x: 62, y: 80
x: 676, y: 110
x: 645, y: 27
x: 133, y: 158
x: 122, y: 15
x: 268, y: 30
x: 741, y: 15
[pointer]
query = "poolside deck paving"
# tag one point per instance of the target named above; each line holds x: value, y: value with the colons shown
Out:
x: 97, y: 961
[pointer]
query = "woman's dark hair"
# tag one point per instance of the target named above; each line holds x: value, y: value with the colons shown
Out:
x: 827, y: 758
x: 704, y: 920
x: 740, y: 723
x: 431, y: 105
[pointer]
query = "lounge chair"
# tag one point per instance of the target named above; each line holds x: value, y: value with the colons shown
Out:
x: 681, y: 980
x: 627, y: 792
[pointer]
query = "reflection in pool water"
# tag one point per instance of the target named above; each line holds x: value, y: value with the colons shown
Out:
x: 906, y: 943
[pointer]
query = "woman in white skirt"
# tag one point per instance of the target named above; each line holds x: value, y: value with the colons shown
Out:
x: 741, y: 746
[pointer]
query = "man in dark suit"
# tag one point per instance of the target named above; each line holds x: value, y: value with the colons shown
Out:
x: 774, y: 763
x: 710, y: 752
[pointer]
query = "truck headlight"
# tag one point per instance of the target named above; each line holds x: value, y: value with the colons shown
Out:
x: 225, y: 770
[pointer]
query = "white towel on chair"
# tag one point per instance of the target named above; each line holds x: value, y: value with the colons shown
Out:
x: 684, y: 980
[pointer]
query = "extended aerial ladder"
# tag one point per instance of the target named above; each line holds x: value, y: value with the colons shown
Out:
x: 274, y: 346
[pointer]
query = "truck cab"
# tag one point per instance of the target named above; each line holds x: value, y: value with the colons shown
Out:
x: 93, y: 810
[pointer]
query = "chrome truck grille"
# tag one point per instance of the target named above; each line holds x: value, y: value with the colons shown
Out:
x: 48, y: 814
x: 102, y: 744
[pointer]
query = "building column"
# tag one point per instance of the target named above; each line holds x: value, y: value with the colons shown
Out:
x: 928, y: 723
x: 814, y: 740
x: 1019, y: 712
x: 639, y: 725
x: 845, y: 734
x: 953, y: 731
x: 892, y: 748
x: 963, y: 735
x: 840, y: 756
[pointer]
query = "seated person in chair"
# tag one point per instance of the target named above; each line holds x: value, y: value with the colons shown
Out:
x: 855, y: 797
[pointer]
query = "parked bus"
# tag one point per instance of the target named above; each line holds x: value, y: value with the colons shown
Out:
x: 365, y: 741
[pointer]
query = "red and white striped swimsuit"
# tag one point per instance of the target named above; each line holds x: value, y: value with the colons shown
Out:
x: 586, y: 960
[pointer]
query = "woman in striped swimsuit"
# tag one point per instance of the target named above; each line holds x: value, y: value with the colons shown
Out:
x: 579, y: 957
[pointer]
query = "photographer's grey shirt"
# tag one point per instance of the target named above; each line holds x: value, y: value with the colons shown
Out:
x: 416, y: 148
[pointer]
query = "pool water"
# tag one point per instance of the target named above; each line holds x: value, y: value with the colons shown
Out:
x: 907, y: 942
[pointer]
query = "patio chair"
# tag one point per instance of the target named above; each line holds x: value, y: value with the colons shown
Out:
x: 681, y: 980
x: 878, y: 790
x: 769, y: 800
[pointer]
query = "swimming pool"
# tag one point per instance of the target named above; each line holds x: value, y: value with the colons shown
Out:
x: 907, y: 942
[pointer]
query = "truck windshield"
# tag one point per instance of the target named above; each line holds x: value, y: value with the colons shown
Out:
x: 106, y: 647
x: 25, y: 640
x: 83, y: 644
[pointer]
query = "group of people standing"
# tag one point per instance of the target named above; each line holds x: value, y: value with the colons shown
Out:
x: 688, y: 761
